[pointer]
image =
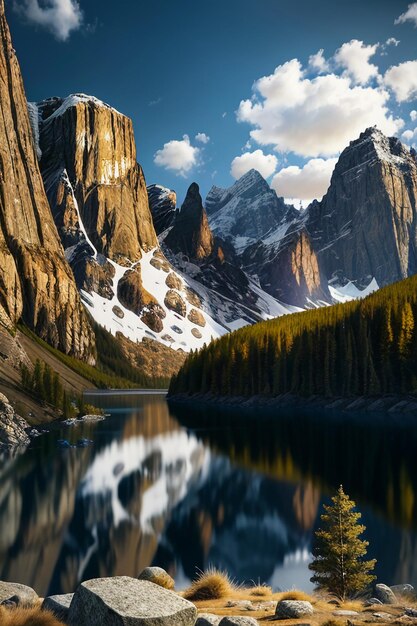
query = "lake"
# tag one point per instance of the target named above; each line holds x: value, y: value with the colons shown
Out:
x: 186, y: 488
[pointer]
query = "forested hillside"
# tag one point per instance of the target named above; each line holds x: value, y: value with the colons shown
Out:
x: 364, y: 347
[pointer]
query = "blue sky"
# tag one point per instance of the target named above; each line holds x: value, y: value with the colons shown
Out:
x: 183, y: 68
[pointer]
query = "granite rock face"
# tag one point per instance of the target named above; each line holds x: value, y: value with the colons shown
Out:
x: 36, y: 282
x: 90, y: 144
x: 191, y: 234
x: 58, y: 605
x: 163, y: 204
x: 366, y: 226
x: 19, y: 595
x: 385, y: 594
x: 13, y: 428
x: 123, y: 600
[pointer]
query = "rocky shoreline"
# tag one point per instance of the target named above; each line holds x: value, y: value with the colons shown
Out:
x: 150, y: 600
x: 391, y: 403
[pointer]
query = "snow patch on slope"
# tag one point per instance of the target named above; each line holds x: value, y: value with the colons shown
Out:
x: 77, y: 98
x: 349, y: 292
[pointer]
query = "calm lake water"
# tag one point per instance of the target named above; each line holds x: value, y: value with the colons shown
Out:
x: 187, y: 488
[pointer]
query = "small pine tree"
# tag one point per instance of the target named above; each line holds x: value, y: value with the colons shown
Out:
x: 338, y: 566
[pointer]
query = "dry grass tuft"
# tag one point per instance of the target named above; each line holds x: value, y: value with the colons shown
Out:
x: 210, y: 585
x: 352, y: 605
x: 260, y: 591
x: 27, y: 617
x: 296, y: 594
x: 333, y: 622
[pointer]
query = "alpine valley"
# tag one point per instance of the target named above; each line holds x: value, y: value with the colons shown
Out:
x: 86, y: 245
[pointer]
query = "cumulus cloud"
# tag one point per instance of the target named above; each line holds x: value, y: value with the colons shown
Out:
x: 408, y: 135
x: 304, y: 183
x: 178, y: 155
x: 391, y: 41
x: 266, y: 164
x: 318, y: 63
x: 354, y: 58
x: 315, y: 116
x: 413, y: 115
x: 402, y: 79
x: 202, y: 138
x: 409, y: 16
x: 60, y: 17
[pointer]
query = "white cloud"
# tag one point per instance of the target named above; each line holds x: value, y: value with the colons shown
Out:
x: 402, y: 79
x: 313, y: 116
x: 409, y: 16
x: 179, y: 156
x: 318, y: 63
x: 60, y: 17
x: 413, y: 115
x: 391, y: 41
x: 306, y: 183
x: 266, y: 164
x: 202, y: 138
x: 408, y: 135
x: 354, y: 58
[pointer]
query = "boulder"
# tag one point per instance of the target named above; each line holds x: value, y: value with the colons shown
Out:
x: 158, y: 576
x: 58, y: 605
x: 17, y: 594
x: 122, y: 600
x: 405, y: 589
x: 385, y: 594
x: 208, y: 619
x: 372, y: 601
x: 173, y: 281
x: 410, y: 612
x: 13, y: 428
x: 238, y: 620
x: 293, y: 609
x: 196, y: 317
x: 174, y: 302
x: 345, y: 613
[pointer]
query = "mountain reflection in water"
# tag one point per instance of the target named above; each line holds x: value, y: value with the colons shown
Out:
x: 187, y: 488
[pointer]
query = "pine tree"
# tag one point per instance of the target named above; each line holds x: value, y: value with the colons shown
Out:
x: 338, y: 566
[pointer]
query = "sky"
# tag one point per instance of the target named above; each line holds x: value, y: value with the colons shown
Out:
x: 216, y: 87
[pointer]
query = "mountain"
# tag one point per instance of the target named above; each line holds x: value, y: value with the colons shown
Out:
x: 190, y: 233
x: 36, y: 283
x: 366, y: 225
x: 162, y: 203
x: 99, y: 201
x: 232, y: 297
x: 245, y: 212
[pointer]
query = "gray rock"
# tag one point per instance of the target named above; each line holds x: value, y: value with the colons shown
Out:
x: 345, y: 613
x: 158, y: 576
x: 19, y: 595
x: 245, y: 605
x: 372, y: 601
x: 385, y: 594
x: 404, y: 589
x: 238, y: 620
x: 127, y: 601
x: 290, y: 609
x: 384, y: 616
x: 411, y: 612
x: 58, y: 605
x: 13, y: 428
x: 208, y: 619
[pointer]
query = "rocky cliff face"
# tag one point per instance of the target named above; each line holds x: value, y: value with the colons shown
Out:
x: 90, y: 171
x: 163, y: 204
x: 245, y: 212
x: 36, y: 283
x: 365, y: 226
x: 191, y: 233
x: 288, y: 268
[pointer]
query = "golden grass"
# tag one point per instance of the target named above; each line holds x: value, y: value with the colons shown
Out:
x: 210, y: 585
x: 260, y: 591
x: 27, y: 617
x: 296, y: 594
x: 352, y: 605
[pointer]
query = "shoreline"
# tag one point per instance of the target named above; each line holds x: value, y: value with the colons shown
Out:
x: 397, y: 404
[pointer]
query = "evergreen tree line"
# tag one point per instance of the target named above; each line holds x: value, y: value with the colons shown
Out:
x: 46, y: 386
x: 364, y: 347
